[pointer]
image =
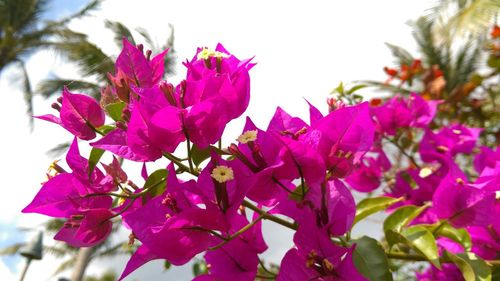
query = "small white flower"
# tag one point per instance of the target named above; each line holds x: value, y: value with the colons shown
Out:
x: 222, y: 173
x: 247, y: 136
x: 207, y: 53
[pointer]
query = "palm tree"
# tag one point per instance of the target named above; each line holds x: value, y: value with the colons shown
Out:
x: 453, y: 41
x: 94, y: 65
x: 463, y: 18
x: 22, y: 32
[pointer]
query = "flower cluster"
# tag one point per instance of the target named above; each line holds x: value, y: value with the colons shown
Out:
x: 295, y: 173
x: 447, y: 199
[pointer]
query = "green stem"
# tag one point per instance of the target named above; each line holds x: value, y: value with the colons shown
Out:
x: 267, y: 216
x: 181, y: 165
x: 263, y: 266
x: 190, y: 159
x: 413, y: 257
x: 238, y: 233
x: 411, y: 158
x: 131, y: 196
x: 94, y: 128
x: 206, y: 230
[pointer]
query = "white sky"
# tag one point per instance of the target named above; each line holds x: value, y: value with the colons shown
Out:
x: 303, y: 49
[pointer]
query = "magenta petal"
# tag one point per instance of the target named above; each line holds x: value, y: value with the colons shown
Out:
x: 448, y: 272
x: 463, y: 205
x: 314, y: 114
x: 158, y: 66
x: 88, y: 231
x: 233, y: 261
x: 365, y: 178
x: 335, y: 208
x: 282, y: 121
x: 95, y: 227
x: 137, y: 135
x: 486, y: 158
x: 132, y: 62
x: 165, y: 129
x: 394, y: 114
x: 75, y: 161
x: 205, y: 122
x: 345, y: 131
x: 55, y: 197
x: 423, y: 111
x: 116, y: 142
x: 67, y: 234
x: 79, y: 113
x: 293, y: 268
x: 140, y: 257
x: 50, y: 118
x: 303, y: 159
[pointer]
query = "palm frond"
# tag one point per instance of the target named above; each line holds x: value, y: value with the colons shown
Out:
x: 21, y: 15
x: 56, y: 251
x: 65, y: 265
x: 147, y: 37
x: 89, y: 58
x: 465, y: 63
x: 58, y: 150
x: 424, y: 36
x: 462, y: 18
x: 27, y: 92
x: 170, y: 57
x: 402, y: 56
x: 107, y: 276
x: 11, y: 250
x: 93, y: 5
x: 120, y: 31
x: 53, y: 225
x: 54, y: 86
x: 117, y: 249
x: 381, y: 86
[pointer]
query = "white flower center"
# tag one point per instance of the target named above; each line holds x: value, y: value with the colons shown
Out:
x: 247, y: 136
x: 222, y: 173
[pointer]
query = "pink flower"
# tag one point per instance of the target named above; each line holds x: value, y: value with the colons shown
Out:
x: 79, y: 114
x: 343, y: 137
x: 73, y: 196
x: 138, y: 69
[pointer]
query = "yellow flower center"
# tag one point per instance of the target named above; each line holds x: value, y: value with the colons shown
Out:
x: 207, y: 53
x: 222, y: 173
x: 247, y: 136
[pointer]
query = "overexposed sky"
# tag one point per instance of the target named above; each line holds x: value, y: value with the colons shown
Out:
x: 303, y: 50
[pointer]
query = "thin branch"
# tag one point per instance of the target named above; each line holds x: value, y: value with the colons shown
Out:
x: 267, y: 216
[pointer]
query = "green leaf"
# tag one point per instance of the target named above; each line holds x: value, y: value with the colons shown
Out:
x: 156, y: 182
x: 106, y: 129
x: 495, y: 273
x: 114, y: 110
x: 356, y: 88
x: 339, y: 89
x: 199, y: 155
x: 95, y: 156
x: 458, y: 235
x: 370, y: 259
x: 370, y: 206
x: 419, y: 239
x: 472, y: 267
x: 401, y: 217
